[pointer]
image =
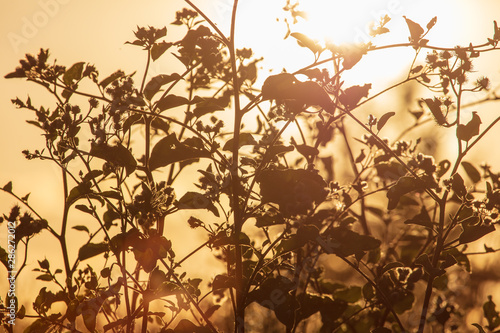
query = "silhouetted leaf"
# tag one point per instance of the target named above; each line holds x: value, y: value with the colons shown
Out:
x: 90, y: 250
x: 352, y: 55
x: 351, y: 96
x: 421, y: 218
x: 274, y: 294
x: 472, y: 172
x: 84, y: 209
x: 416, y: 31
x: 78, y: 192
x: 245, y: 139
x: 350, y: 294
x: 458, y: 186
x: 278, y: 86
x: 194, y: 200
x: 383, y: 119
x: 294, y: 191
x: 491, y: 314
x: 403, y: 186
x: 74, y: 73
x: 154, y: 85
x: 474, y: 232
x: 117, y: 155
x: 169, y: 150
x: 116, y: 75
x: 305, y: 41
x: 311, y: 93
x: 205, y: 107
x: 171, y: 101
x: 304, y: 234
x: 403, y: 301
x: 480, y: 329
x: 307, y: 151
x: 432, y: 23
x: 435, y: 106
x: 223, y: 282
x: 81, y: 228
x: 7, y: 187
x: 442, y: 168
x: 92, y: 174
x: 158, y: 49
x: 4, y: 258
x: 89, y: 316
x: 345, y: 242
x: 270, y: 217
x: 471, y: 129
x: 44, y: 277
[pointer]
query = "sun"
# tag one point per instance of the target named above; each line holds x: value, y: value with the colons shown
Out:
x: 341, y: 22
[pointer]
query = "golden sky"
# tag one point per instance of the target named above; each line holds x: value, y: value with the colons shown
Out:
x: 95, y: 31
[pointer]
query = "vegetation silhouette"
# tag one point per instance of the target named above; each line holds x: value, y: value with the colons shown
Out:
x: 274, y: 211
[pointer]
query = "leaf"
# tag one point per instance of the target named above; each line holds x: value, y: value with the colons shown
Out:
x: 345, y: 242
x: 158, y: 49
x: 44, y: 277
x: 305, y: 41
x: 304, y: 234
x: 349, y: 294
x: 169, y: 150
x: 8, y: 187
x: 403, y: 186
x: 194, y: 200
x: 74, y: 73
x: 475, y: 232
x: 431, y: 23
x: 480, y: 329
x: 81, y: 228
x: 416, y: 31
x: 89, y: 316
x: 278, y: 86
x: 78, y: 192
x: 472, y: 172
x: 211, y: 310
x: 154, y: 85
x: 223, y: 282
x: 84, y: 209
x: 421, y: 218
x: 270, y: 217
x: 435, y: 106
x: 458, y: 186
x: 383, y: 119
x: 442, y: 168
x: 352, y: 55
x: 311, y: 93
x: 351, y: 96
x: 116, y: 75
x: 295, y: 191
x: 171, y: 101
x: 21, y: 313
x: 90, y: 250
x: 471, y: 129
x: 245, y: 139
x: 92, y: 174
x: 117, y: 155
x: 205, y: 107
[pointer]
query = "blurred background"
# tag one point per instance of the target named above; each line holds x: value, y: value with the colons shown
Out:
x: 95, y: 31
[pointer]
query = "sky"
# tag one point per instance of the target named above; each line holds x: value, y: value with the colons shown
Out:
x: 95, y: 31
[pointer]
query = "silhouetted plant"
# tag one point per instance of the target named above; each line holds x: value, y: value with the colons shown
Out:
x: 399, y: 250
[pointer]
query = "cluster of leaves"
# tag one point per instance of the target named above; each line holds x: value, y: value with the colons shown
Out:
x: 285, y: 187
